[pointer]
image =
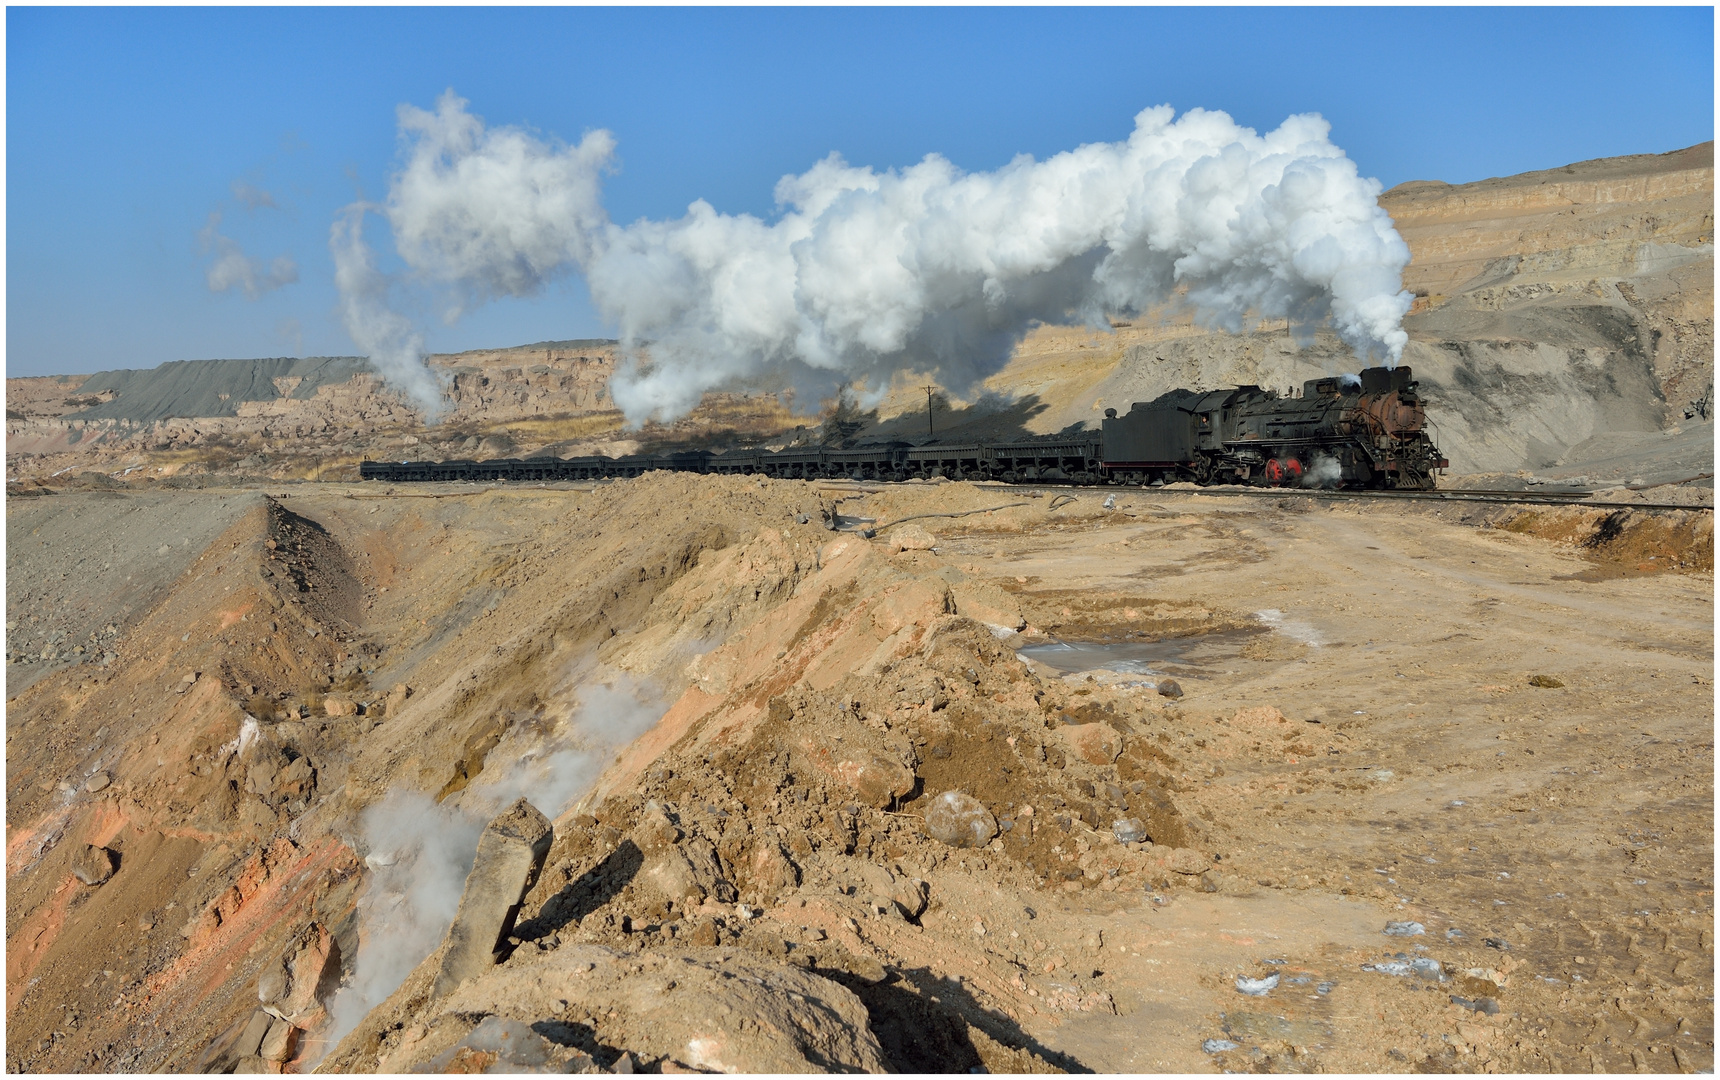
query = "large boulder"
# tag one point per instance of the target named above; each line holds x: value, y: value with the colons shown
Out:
x: 93, y: 865
x: 510, y: 856
x: 701, y: 1009
x: 960, y: 820
x: 307, y: 971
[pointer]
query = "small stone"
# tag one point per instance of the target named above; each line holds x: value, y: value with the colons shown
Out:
x: 1404, y: 929
x: 1218, y: 1046
x: 1170, y: 688
x: 1096, y: 744
x: 1129, y: 830
x: 396, y: 699
x: 339, y: 706
x: 1546, y: 682
x: 911, y: 538
x: 98, y: 782
x: 93, y: 865
x: 960, y: 820
x: 704, y: 933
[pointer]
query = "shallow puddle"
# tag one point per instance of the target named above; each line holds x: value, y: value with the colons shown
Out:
x: 1196, y: 654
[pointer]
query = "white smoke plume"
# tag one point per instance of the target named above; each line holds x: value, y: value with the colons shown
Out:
x: 253, y: 197
x: 419, y: 852
x: 864, y: 274
x: 388, y: 338
x: 492, y: 212
x: 233, y: 269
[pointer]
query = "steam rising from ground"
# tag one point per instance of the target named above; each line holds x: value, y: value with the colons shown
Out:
x: 865, y: 274
x: 420, y: 852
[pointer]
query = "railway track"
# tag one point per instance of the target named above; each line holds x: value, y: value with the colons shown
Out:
x: 1482, y: 495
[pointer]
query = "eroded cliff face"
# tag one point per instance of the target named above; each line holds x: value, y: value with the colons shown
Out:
x: 219, y: 416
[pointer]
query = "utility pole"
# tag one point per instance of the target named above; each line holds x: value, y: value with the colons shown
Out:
x: 929, y: 432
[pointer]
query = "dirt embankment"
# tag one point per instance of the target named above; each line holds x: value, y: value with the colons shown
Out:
x: 1391, y: 717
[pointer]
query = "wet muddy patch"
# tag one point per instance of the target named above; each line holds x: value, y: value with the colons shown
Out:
x: 1096, y: 616
x: 1193, y: 655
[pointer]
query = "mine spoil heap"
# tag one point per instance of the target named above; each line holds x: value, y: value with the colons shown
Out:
x: 865, y: 833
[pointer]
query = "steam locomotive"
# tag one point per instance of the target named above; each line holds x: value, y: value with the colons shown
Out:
x: 1355, y: 431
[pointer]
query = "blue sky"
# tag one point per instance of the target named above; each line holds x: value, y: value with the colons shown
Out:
x: 128, y: 128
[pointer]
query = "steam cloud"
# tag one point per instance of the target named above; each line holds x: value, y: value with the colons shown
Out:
x: 1323, y: 472
x: 866, y: 273
x: 384, y: 335
x: 254, y: 198
x: 420, y: 852
x: 233, y: 269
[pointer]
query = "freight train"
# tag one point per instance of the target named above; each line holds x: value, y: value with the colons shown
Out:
x: 1355, y: 431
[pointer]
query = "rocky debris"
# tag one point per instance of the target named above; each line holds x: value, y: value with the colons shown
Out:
x: 186, y: 681
x: 907, y: 895
x: 1170, y: 688
x: 307, y: 971
x: 679, y: 869
x: 877, y: 781
x: 396, y: 699
x: 279, y: 774
x: 97, y: 782
x: 863, y: 761
x: 701, y: 1009
x: 959, y: 820
x: 94, y: 865
x: 1096, y: 744
x: 336, y: 707
x: 510, y: 856
x: 237, y: 1044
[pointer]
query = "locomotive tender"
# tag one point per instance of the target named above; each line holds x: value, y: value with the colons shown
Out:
x: 1366, y: 431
